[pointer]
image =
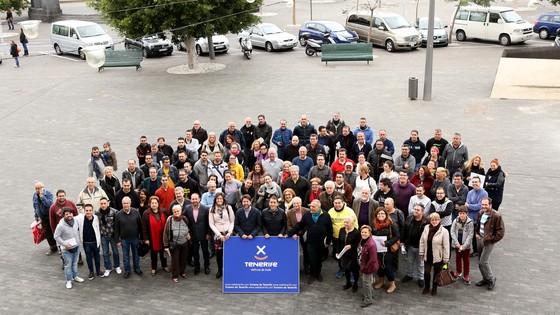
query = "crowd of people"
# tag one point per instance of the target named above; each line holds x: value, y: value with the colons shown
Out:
x: 331, y: 187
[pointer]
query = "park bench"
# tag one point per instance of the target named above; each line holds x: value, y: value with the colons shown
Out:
x: 122, y: 58
x: 347, y: 52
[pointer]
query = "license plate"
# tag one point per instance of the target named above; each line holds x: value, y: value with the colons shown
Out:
x: 436, y: 40
x: 220, y: 47
x: 163, y: 49
x: 412, y: 44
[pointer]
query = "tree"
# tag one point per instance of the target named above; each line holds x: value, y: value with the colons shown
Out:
x: 16, y: 5
x: 186, y: 20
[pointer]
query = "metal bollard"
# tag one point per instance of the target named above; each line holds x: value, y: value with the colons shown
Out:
x: 413, y: 88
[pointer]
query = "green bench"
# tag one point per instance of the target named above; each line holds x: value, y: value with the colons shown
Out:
x: 347, y: 52
x: 122, y: 58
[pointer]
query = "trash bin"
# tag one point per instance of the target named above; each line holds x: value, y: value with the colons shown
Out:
x: 413, y: 88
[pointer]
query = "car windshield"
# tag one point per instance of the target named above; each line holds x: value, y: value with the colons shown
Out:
x: 90, y: 30
x: 396, y: 21
x: 511, y: 16
x: 423, y: 24
x: 271, y: 29
x: 334, y: 27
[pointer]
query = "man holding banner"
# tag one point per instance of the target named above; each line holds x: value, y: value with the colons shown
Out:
x: 319, y: 235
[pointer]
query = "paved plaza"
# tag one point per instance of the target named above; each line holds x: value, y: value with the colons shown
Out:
x: 54, y: 109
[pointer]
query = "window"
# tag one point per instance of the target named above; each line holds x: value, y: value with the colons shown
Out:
x: 73, y: 32
x: 478, y: 16
x: 358, y: 20
x: 462, y: 15
x: 55, y: 29
x: 321, y: 28
x: 63, y: 30
x: 377, y: 22
x: 556, y: 19
x: 494, y: 17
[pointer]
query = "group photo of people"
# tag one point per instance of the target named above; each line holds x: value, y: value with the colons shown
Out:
x: 378, y: 208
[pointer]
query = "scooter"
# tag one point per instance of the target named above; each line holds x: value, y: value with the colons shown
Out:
x: 246, y: 47
x: 314, y: 46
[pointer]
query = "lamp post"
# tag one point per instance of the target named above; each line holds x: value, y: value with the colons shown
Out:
x: 311, y: 9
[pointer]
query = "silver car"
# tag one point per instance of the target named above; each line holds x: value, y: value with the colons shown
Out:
x: 269, y: 37
x: 440, y: 31
x: 389, y: 30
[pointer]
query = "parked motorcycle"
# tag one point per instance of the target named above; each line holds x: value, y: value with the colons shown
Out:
x: 314, y: 46
x: 246, y: 47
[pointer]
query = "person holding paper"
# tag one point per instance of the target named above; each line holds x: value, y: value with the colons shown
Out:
x: 66, y: 236
x: 348, y: 240
x: 384, y: 226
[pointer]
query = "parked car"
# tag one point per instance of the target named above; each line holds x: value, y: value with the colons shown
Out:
x: 500, y: 24
x: 318, y: 29
x: 71, y: 37
x: 547, y: 24
x: 220, y: 42
x: 389, y: 30
x: 269, y: 37
x: 151, y: 45
x: 440, y: 31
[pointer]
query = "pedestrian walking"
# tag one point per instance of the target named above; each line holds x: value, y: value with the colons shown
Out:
x: 23, y: 40
x: 14, y: 52
x: 10, y: 19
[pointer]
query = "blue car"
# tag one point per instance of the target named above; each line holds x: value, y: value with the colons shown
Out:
x: 318, y: 29
x: 547, y: 24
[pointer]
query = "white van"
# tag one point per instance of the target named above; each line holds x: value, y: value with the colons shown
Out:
x: 73, y: 36
x: 501, y: 24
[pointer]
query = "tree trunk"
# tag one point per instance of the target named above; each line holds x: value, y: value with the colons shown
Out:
x: 450, y: 39
x: 211, y: 52
x: 370, y: 26
x: 192, y: 62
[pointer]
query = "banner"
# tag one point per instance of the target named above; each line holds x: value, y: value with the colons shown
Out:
x: 261, y: 265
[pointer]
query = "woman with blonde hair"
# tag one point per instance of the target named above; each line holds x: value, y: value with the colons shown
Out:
x: 441, y: 180
x: 212, y: 146
x: 473, y: 165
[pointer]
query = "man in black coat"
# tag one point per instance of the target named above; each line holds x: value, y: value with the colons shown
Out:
x: 247, y: 219
x: 197, y: 216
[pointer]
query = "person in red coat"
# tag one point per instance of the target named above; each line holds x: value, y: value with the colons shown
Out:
x: 367, y: 256
x: 153, y: 224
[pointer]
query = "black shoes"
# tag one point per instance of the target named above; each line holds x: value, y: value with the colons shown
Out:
x: 139, y: 272
x: 126, y: 274
x: 481, y: 282
x: 421, y: 283
x: 320, y: 278
x: 492, y: 284
x: 206, y: 270
x: 91, y: 276
x: 406, y: 279
x: 196, y: 270
x: 306, y: 269
x: 347, y: 286
x: 310, y: 280
x: 354, y: 287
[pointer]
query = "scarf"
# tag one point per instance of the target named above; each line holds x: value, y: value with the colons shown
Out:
x: 104, y: 214
x: 110, y: 180
x: 433, y: 230
x: 380, y: 225
x: 314, y: 195
x: 494, y: 173
x: 441, y: 201
x: 71, y: 222
x: 315, y: 216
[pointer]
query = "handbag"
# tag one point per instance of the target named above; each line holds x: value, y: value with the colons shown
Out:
x: 445, y: 277
x: 395, y: 247
x: 143, y: 249
x: 38, y: 232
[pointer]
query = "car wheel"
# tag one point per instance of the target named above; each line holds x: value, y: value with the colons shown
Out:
x: 543, y: 33
x: 169, y: 53
x: 198, y: 50
x: 57, y: 49
x: 268, y: 46
x: 82, y: 54
x: 505, y: 40
x: 302, y: 41
x: 144, y: 52
x: 389, y: 45
x: 460, y: 35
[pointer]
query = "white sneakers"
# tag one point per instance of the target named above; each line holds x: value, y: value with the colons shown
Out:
x: 78, y: 279
x: 68, y: 285
x: 107, y: 273
x: 118, y: 270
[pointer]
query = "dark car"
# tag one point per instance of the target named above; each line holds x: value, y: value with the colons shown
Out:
x: 547, y: 24
x: 151, y: 45
x: 318, y: 29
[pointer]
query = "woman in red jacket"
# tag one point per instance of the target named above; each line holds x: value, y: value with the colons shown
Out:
x: 153, y: 223
x: 367, y: 256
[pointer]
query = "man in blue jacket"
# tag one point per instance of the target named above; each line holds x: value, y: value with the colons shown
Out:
x: 42, y: 201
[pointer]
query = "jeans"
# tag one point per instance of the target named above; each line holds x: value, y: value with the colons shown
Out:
x: 385, y: 268
x: 484, y: 260
x: 196, y: 245
x: 105, y: 241
x: 70, y: 263
x: 92, y: 255
x: 414, y: 261
x: 367, y: 282
x: 17, y: 65
x: 25, y: 51
x: 127, y: 246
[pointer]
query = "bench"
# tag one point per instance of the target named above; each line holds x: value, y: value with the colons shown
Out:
x: 347, y: 52
x: 122, y: 58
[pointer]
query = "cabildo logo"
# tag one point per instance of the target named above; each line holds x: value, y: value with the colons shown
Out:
x: 260, y: 265
x: 259, y: 251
